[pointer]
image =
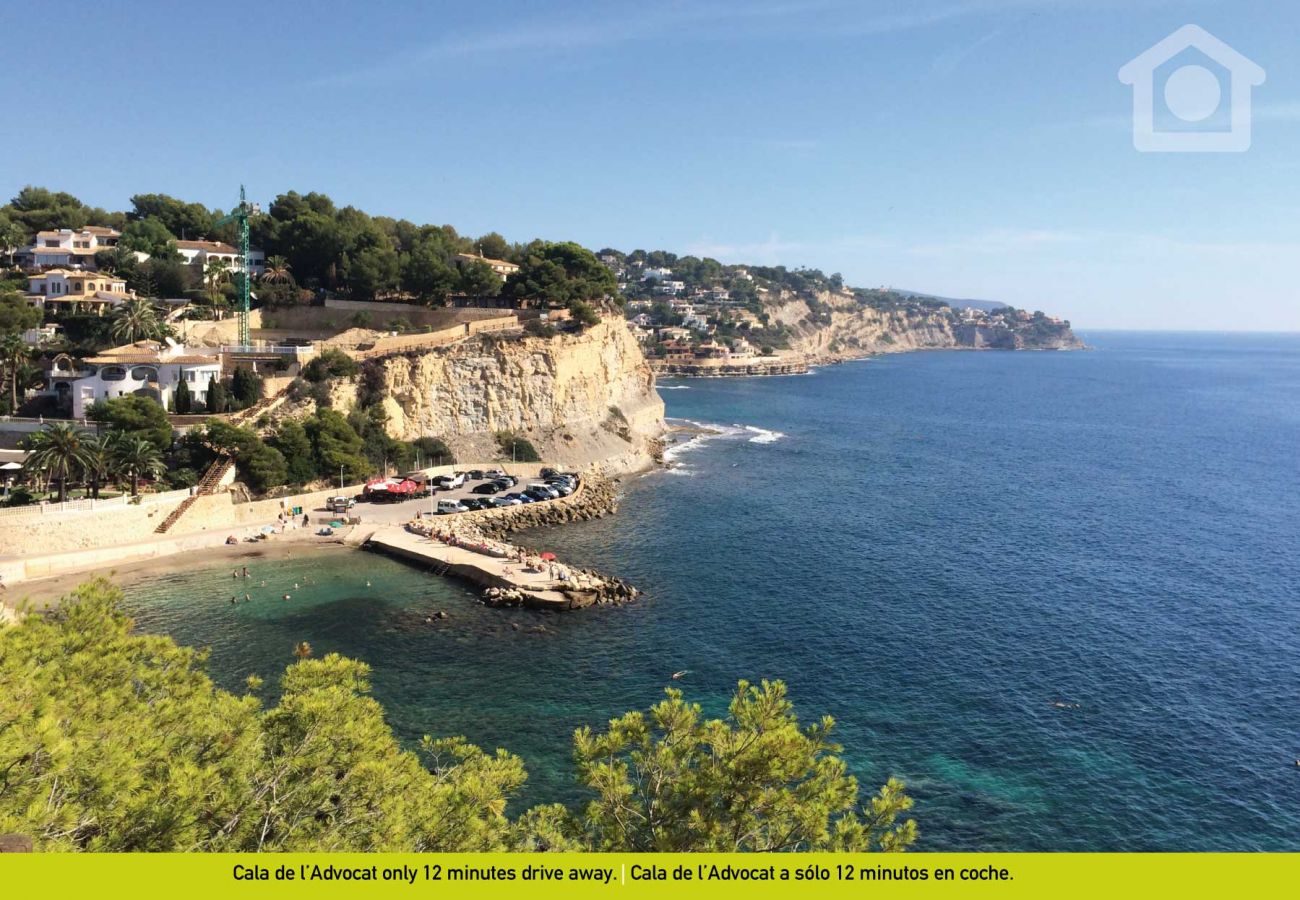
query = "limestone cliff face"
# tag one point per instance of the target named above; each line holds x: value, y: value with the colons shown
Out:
x: 837, y: 326
x: 581, y: 399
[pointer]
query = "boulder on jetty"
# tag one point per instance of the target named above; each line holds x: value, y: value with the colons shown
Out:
x: 596, y: 498
x: 468, y: 545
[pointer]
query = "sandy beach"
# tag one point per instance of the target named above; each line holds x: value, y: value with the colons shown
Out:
x: 45, y: 593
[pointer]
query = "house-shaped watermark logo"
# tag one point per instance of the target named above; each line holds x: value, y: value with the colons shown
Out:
x: 1193, y: 96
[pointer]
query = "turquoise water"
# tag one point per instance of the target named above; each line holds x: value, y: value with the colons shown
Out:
x: 934, y: 548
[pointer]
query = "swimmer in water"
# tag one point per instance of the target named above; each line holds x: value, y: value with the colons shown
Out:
x: 233, y: 600
x: 286, y: 596
x: 248, y: 597
x: 295, y: 585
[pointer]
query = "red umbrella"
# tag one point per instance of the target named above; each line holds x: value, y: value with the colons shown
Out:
x: 548, y: 556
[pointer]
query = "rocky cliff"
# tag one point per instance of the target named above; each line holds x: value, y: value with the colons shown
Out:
x: 840, y: 325
x: 582, y: 399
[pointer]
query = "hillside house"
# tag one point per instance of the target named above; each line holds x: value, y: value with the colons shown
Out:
x: 502, y: 267
x: 75, y: 291
x: 198, y: 253
x: 68, y: 247
x: 148, y: 368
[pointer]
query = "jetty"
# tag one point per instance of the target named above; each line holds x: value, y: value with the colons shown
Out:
x: 509, y: 575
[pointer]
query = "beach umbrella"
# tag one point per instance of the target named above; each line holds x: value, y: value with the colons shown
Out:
x: 548, y: 556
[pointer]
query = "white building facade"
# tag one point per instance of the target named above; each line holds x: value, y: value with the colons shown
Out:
x: 199, y: 252
x: 146, y: 368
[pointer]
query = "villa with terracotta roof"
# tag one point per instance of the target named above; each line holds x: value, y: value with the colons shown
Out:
x: 199, y: 252
x: 76, y: 291
x: 148, y: 368
x: 68, y: 247
x: 504, y: 268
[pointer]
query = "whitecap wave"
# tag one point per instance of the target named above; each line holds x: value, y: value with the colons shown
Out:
x: 673, y: 387
x: 707, y: 432
x: 763, y: 435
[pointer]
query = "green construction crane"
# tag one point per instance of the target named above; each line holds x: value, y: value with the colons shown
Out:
x: 240, y: 216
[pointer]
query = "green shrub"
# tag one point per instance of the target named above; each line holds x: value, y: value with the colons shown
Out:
x: 516, y: 448
x: 330, y: 364
x: 434, y: 451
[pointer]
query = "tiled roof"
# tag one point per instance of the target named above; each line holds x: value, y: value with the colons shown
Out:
x: 209, y: 246
x: 154, y: 359
x: 487, y: 259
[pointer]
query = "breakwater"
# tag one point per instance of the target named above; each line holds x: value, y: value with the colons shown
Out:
x: 707, y: 369
x: 469, y: 546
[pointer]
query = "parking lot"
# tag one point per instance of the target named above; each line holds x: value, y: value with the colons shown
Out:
x: 426, y: 504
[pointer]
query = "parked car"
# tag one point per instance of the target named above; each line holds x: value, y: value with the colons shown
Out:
x: 521, y: 497
x: 538, y: 494
x: 548, y: 473
x: 494, y: 474
x: 544, y: 489
x: 475, y: 474
x: 449, y: 506
x: 450, y: 482
x: 341, y: 504
x: 487, y: 487
x: 503, y: 501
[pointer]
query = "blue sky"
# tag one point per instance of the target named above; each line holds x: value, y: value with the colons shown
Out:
x: 969, y: 148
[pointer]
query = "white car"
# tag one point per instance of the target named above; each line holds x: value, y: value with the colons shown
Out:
x: 450, y: 482
x: 449, y: 506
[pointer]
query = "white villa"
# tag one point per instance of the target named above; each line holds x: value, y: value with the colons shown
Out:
x: 68, y: 247
x: 76, y: 291
x: 148, y: 368
x: 199, y: 252
x: 503, y: 267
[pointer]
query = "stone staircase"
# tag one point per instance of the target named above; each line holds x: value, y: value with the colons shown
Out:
x: 211, y: 479
x: 207, y: 485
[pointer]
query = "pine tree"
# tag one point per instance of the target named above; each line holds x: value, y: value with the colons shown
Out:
x: 218, y: 401
x: 182, y: 400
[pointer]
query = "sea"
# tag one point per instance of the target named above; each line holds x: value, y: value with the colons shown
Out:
x: 1056, y: 593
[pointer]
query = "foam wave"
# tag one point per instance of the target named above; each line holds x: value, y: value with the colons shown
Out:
x: 673, y: 387
x: 712, y: 431
x: 763, y: 435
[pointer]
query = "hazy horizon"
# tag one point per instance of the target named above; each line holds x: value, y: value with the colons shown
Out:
x: 978, y: 148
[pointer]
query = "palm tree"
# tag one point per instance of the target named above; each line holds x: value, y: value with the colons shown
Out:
x: 277, y: 271
x: 14, y: 351
x: 100, y: 453
x: 303, y: 650
x: 137, y: 458
x: 217, y: 271
x: 60, y: 453
x: 135, y: 320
